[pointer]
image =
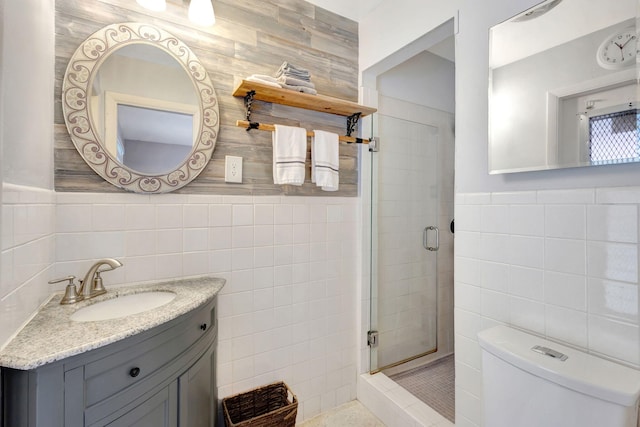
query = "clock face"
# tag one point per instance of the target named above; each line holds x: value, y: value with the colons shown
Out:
x: 619, y: 50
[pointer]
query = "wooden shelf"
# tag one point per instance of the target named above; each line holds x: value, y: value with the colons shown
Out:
x: 325, y: 104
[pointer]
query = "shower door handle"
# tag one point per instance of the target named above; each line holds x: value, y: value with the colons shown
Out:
x: 425, y: 236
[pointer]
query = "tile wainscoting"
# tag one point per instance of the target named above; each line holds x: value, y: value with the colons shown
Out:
x: 27, y: 258
x: 287, y: 310
x: 562, y: 264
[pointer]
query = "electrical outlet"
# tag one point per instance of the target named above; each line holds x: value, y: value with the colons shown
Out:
x: 233, y: 169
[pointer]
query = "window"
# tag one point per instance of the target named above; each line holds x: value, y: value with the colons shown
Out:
x: 615, y: 137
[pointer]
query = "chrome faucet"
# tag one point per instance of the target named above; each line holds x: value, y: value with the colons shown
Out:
x: 91, y: 286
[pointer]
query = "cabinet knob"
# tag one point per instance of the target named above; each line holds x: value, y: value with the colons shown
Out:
x: 203, y: 326
x: 134, y: 372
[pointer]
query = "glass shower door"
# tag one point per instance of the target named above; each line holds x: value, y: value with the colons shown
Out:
x: 404, y: 242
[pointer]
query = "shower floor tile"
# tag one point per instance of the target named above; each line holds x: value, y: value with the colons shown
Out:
x: 434, y: 384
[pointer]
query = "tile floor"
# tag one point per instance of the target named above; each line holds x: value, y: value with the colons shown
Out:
x: 352, y: 414
x: 426, y: 394
x: 434, y: 384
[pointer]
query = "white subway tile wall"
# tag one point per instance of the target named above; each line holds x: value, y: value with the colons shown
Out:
x: 27, y: 258
x: 565, y: 268
x: 287, y: 311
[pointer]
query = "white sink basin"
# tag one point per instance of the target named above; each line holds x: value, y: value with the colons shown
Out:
x: 122, y: 306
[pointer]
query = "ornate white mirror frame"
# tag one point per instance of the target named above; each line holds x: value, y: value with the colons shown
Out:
x: 76, y: 86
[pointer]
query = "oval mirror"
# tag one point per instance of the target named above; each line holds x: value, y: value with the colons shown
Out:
x: 140, y: 108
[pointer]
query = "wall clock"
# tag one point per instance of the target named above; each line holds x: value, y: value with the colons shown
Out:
x: 619, y: 50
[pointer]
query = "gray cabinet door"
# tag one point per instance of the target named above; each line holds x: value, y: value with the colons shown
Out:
x: 198, y: 394
x: 160, y: 410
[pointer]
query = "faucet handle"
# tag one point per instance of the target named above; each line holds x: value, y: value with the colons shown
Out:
x: 70, y: 294
x: 62, y: 279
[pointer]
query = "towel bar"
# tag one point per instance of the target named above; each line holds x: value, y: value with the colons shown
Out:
x: 269, y: 127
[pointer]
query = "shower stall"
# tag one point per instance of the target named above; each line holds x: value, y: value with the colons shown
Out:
x: 407, y: 344
x: 411, y: 238
x: 412, y: 230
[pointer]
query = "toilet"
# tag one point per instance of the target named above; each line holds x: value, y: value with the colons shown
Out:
x: 532, y: 382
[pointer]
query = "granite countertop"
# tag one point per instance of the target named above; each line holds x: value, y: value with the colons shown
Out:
x: 51, y: 335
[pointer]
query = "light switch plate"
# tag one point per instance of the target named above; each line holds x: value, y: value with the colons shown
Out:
x: 233, y: 169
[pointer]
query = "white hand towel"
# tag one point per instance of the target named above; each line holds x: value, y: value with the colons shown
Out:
x: 325, y: 160
x: 289, y: 154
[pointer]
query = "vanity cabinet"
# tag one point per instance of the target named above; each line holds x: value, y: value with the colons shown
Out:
x: 160, y: 410
x: 161, y: 377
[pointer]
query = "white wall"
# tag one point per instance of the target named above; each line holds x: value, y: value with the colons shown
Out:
x: 28, y: 78
x: 425, y: 79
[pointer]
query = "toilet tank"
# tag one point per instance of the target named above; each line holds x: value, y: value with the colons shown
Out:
x: 531, y: 382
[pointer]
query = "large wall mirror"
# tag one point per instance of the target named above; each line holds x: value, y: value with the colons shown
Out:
x: 140, y: 108
x: 563, y: 89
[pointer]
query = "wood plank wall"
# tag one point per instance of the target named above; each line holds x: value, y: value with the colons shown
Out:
x: 250, y: 37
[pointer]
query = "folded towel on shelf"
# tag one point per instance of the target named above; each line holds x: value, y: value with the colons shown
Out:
x: 288, y: 66
x: 262, y: 81
x: 302, y: 89
x: 292, y: 81
x: 325, y: 160
x: 291, y: 70
x: 289, y: 154
x: 303, y: 77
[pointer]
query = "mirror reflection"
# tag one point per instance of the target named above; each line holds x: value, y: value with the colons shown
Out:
x: 152, y: 141
x: 563, y: 87
x: 144, y: 108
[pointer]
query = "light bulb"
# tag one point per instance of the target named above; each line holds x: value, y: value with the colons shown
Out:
x: 155, y: 5
x: 201, y: 13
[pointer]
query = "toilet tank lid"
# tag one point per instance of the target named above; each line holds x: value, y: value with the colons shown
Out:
x: 581, y: 372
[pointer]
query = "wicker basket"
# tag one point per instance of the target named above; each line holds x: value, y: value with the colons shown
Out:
x: 272, y: 405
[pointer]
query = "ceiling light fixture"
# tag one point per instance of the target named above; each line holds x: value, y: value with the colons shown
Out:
x: 537, y: 11
x: 155, y: 5
x: 201, y: 13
